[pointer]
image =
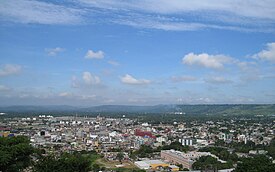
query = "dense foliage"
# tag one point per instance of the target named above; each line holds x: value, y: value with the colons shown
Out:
x: 176, y: 146
x: 142, y: 152
x: 256, y: 164
x: 66, y: 163
x: 210, y: 163
x: 271, y: 148
x: 220, y: 152
x: 15, y: 153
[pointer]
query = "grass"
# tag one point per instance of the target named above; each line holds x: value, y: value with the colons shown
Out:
x: 112, y: 164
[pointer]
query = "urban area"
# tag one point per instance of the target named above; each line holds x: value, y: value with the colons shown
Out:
x: 128, y: 144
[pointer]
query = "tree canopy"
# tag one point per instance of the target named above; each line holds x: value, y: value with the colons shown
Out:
x: 258, y: 163
x: 66, y: 163
x: 210, y: 163
x: 15, y: 153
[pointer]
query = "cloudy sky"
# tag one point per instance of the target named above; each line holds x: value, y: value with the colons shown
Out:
x: 138, y: 52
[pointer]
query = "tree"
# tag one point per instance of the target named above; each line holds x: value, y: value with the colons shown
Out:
x: 120, y: 156
x: 15, y: 153
x: 66, y: 163
x: 144, y: 151
x: 210, y: 163
x: 255, y: 164
x: 96, y: 167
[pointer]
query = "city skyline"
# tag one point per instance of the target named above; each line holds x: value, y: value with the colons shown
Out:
x: 82, y: 52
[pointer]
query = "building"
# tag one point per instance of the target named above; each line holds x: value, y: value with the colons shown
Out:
x: 141, y: 133
x: 151, y: 164
x: 187, y: 141
x: 176, y: 157
x: 185, y: 159
x: 161, y: 139
x: 174, y: 168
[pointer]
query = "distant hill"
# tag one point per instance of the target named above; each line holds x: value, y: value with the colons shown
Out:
x: 223, y: 109
x: 229, y: 109
x: 53, y: 108
x: 133, y: 109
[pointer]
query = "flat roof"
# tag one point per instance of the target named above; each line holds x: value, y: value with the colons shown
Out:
x: 149, y: 162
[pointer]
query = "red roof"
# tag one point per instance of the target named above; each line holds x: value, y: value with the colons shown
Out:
x: 4, y: 129
x: 141, y: 133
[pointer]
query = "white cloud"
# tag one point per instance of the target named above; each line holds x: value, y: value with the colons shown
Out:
x: 206, y: 60
x: 175, y: 15
x: 178, y: 15
x: 65, y: 94
x: 32, y: 11
x: 267, y: 54
x: 246, y: 66
x: 159, y: 23
x: 88, y: 97
x: 128, y: 79
x: 114, y: 63
x: 10, y: 69
x: 245, y: 8
x: 177, y: 24
x: 183, y: 78
x: 54, y: 51
x: 217, y: 80
x: 204, y: 100
x: 4, y: 88
x: 90, y: 79
x: 109, y: 101
x: 74, y: 82
x: 94, y: 55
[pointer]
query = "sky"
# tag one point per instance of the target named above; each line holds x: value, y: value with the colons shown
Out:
x: 137, y: 52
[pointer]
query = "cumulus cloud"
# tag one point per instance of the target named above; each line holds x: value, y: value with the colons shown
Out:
x: 246, y: 66
x: 90, y: 79
x: 10, y: 69
x: 267, y: 54
x: 128, y: 79
x: 74, y: 82
x: 183, y: 78
x: 114, y: 63
x: 65, y: 94
x: 88, y: 97
x: 4, y: 88
x: 206, y: 60
x: 54, y: 51
x: 217, y: 80
x: 204, y: 100
x: 94, y: 55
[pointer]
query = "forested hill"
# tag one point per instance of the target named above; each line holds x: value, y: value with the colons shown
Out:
x: 237, y: 109
x: 224, y: 109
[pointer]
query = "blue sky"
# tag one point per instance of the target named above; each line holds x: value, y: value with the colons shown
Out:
x: 94, y: 52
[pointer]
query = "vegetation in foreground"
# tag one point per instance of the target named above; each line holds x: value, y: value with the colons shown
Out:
x: 15, y: 153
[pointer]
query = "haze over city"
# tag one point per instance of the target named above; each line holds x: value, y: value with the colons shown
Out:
x: 83, y: 53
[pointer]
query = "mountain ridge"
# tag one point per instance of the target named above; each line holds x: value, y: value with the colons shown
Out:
x: 162, y: 108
